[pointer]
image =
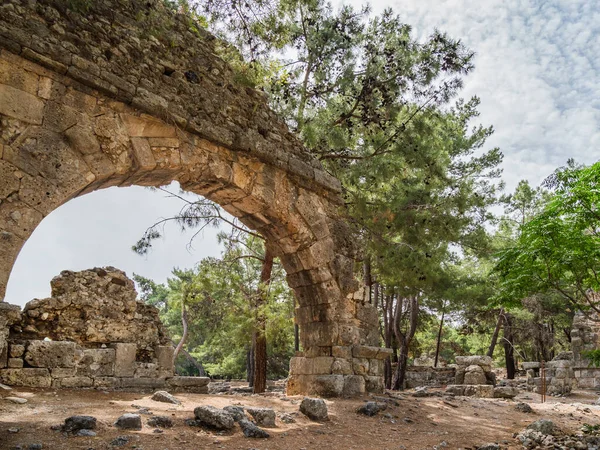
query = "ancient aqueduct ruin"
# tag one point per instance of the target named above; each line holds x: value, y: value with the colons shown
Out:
x: 109, y: 98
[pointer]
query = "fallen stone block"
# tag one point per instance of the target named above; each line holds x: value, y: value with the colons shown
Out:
x: 214, y: 417
x: 164, y: 397
x: 252, y: 431
x: 129, y: 422
x: 264, y: 417
x: 314, y: 408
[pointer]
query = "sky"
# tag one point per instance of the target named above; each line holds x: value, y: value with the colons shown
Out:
x: 538, y: 77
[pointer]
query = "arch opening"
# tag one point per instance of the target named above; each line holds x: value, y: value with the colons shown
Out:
x: 59, y: 140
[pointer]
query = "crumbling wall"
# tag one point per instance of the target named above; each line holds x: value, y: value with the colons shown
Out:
x: 417, y: 376
x: 585, y: 336
x: 91, y: 332
x: 96, y: 306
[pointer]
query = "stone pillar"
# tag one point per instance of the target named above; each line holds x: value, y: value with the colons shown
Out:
x: 124, y: 359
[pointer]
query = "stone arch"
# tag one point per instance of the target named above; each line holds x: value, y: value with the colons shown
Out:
x: 78, y: 114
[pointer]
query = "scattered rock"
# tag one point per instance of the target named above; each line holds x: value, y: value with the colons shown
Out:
x: 75, y: 423
x: 214, y: 417
x: 287, y: 418
x: 13, y: 430
x: 264, y: 417
x: 524, y: 408
x: 314, y: 408
x: 120, y: 441
x: 85, y: 433
x: 160, y: 422
x: 165, y: 397
x: 490, y: 446
x: 252, y: 431
x: 35, y: 447
x: 18, y: 400
x: 543, y: 426
x: 129, y: 422
x: 237, y: 412
x: 192, y: 423
x: 371, y: 408
x: 157, y: 431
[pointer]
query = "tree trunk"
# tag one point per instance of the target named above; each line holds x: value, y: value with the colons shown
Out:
x: 184, y: 323
x: 367, y: 278
x: 250, y: 364
x: 198, y: 365
x: 400, y: 374
x: 509, y: 355
x: 492, y: 346
x: 260, y: 348
x: 404, y: 339
x: 439, y: 340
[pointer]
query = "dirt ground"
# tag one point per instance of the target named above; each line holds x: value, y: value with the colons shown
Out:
x: 417, y: 423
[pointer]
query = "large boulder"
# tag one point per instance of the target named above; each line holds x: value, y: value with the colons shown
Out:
x: 75, y: 423
x: 129, y: 422
x: 214, y: 417
x: 314, y: 408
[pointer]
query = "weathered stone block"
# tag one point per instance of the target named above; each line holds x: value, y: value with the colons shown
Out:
x: 530, y: 365
x: 62, y: 372
x: 124, y: 359
x: 16, y: 350
x: 107, y: 382
x: 455, y: 389
x: 341, y: 352
x: 76, y: 382
x: 15, y: 363
x: 143, y: 383
x: 374, y: 384
x: 562, y: 363
x: 164, y: 356
x: 362, y: 351
x: 341, y: 367
x: 146, y: 370
x: 51, y: 354
x: 360, y: 366
x: 474, y: 360
x: 198, y: 385
x: 189, y: 381
x: 27, y: 377
x: 376, y: 367
x: 98, y: 362
x: 482, y: 391
x: 300, y: 365
x: 354, y: 385
x: 474, y: 375
x: 328, y: 385
x: 322, y: 365
x: 21, y: 105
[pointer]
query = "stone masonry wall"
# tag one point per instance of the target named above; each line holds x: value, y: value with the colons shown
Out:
x: 90, y: 333
x: 130, y: 93
x: 585, y: 335
x: 417, y: 376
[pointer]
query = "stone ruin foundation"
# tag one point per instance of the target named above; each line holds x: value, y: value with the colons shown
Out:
x: 585, y: 336
x: 474, y: 378
x: 90, y: 333
x: 560, y: 376
x: 423, y: 374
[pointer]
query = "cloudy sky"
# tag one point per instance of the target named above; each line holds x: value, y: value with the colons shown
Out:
x: 538, y: 77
